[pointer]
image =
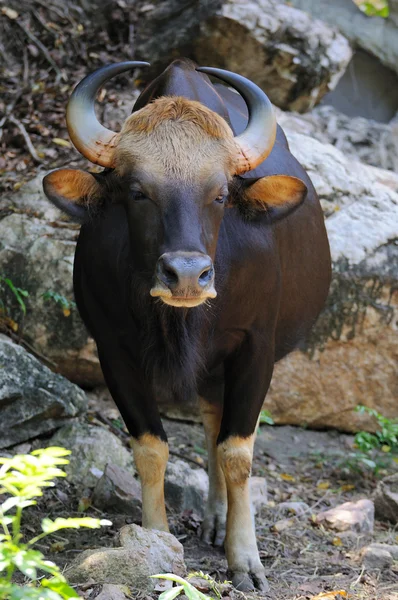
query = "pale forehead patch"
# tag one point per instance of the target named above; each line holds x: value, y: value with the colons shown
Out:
x: 176, y: 137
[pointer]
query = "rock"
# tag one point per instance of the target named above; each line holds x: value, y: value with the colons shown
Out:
x: 37, y: 255
x: 258, y: 493
x: 391, y: 549
x: 355, y: 516
x: 111, y: 592
x: 295, y: 59
x: 360, y: 139
x: 118, y: 491
x: 376, y: 558
x: 295, y: 508
x: 386, y: 499
x: 351, y: 355
x: 33, y: 400
x: 92, y: 448
x: 185, y: 488
x: 377, y: 36
x: 142, y: 553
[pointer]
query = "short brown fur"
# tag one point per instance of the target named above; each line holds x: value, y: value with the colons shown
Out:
x: 78, y: 186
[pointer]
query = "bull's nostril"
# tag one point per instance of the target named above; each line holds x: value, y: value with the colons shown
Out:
x: 206, y: 275
x: 171, y: 276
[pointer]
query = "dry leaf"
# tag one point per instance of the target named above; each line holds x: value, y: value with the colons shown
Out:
x: 347, y: 487
x: 61, y: 142
x: 287, y: 477
x: 10, y: 13
x: 331, y: 595
x: 323, y: 485
x: 66, y: 312
x: 280, y: 526
x: 337, y: 541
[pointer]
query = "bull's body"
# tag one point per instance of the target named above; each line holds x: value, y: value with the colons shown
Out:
x: 272, y: 279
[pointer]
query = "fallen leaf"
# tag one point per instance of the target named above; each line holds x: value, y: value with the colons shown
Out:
x: 347, y: 487
x: 287, y: 477
x: 337, y: 541
x: 66, y: 312
x: 61, y: 142
x: 280, y: 526
x: 323, y: 485
x: 331, y: 595
x: 10, y: 13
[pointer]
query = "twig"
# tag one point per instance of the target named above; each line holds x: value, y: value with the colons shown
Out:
x: 192, y: 460
x: 44, y: 50
x: 27, y: 139
x: 33, y: 350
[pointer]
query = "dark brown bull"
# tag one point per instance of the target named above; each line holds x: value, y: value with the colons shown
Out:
x: 202, y: 260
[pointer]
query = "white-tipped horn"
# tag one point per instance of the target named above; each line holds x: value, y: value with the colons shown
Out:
x: 90, y: 138
x: 257, y: 141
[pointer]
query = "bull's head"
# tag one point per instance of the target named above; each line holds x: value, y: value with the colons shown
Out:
x: 172, y: 164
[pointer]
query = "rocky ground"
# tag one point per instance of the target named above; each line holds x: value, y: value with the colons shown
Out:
x: 306, y: 551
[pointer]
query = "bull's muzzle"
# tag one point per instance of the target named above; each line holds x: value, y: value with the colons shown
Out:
x: 184, y: 279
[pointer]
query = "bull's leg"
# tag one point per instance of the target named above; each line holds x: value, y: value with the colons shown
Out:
x: 246, y: 382
x: 142, y: 419
x: 214, y: 523
x: 151, y: 455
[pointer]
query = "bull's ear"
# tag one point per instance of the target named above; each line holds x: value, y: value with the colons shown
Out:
x: 73, y: 191
x: 278, y: 195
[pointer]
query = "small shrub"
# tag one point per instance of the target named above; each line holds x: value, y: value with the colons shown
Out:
x: 184, y: 587
x: 65, y: 304
x: 23, y: 478
x: 265, y: 418
x: 7, y: 286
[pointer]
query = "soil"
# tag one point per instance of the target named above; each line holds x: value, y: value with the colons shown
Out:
x: 302, y: 561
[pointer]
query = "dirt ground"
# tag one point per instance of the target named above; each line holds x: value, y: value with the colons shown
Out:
x: 302, y: 560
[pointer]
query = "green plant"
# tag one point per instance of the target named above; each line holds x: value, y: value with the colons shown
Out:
x: 23, y: 478
x: 373, y: 8
x: 373, y: 451
x: 386, y: 438
x: 265, y: 418
x: 65, y: 304
x: 19, y: 294
x: 184, y: 587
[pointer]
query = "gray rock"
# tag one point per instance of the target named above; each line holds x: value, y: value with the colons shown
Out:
x: 386, y: 499
x: 142, y: 553
x: 118, y: 491
x: 358, y: 138
x: 258, y: 493
x: 185, y: 488
x: 355, y: 516
x: 33, y: 400
x: 295, y: 508
x: 111, y: 592
x: 37, y: 255
x: 377, y: 36
x: 376, y: 558
x: 392, y: 549
x: 92, y: 448
x: 294, y: 58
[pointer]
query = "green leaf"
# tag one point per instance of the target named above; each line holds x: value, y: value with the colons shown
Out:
x: 172, y: 593
x: 61, y: 587
x: 49, y: 526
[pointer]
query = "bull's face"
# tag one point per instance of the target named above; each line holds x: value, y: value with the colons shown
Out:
x: 175, y: 159
x: 173, y: 162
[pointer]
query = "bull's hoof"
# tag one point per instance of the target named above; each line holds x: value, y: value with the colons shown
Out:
x: 250, y: 582
x: 213, y: 530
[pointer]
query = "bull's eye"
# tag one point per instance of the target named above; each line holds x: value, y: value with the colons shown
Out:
x: 137, y: 196
x: 221, y: 199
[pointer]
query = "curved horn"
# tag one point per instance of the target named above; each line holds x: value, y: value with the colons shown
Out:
x: 257, y: 141
x: 90, y: 138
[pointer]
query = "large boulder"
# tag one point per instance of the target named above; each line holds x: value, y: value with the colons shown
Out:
x: 294, y: 58
x: 37, y: 247
x: 361, y: 139
x: 352, y: 353
x: 376, y: 35
x: 33, y: 400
